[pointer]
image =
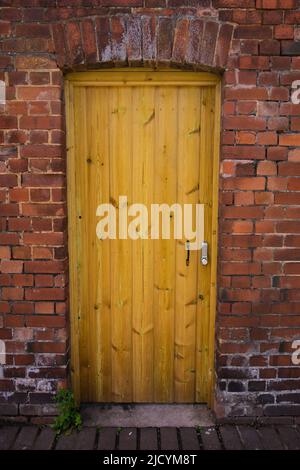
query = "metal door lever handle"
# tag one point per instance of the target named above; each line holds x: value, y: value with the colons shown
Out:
x: 204, y: 259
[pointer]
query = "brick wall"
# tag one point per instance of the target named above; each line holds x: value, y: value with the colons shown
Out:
x: 255, y: 44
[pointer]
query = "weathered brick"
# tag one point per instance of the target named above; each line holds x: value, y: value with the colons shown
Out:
x: 164, y: 39
x: 74, y: 43
x: 89, y: 41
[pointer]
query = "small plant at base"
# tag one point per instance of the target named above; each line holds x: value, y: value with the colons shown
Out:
x: 69, y: 417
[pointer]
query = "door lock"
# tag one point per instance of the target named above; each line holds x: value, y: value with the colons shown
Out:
x: 204, y: 259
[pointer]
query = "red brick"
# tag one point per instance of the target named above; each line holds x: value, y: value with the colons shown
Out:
x: 42, y: 93
x: 253, y: 31
x: 74, y: 43
x: 280, y: 63
x: 223, y: 44
x: 234, y: 3
x: 164, y: 39
x: 272, y: 17
x: 12, y: 293
x: 8, y: 122
x: 40, y: 122
x: 257, y: 183
x: 148, y: 25
x: 46, y: 347
x: 49, y: 239
x: 244, y: 122
x: 42, y: 253
x: 89, y: 41
x: 284, y: 32
x: 273, y: 4
x: 266, y: 168
x: 244, y: 198
x: 268, y: 78
x: 59, y: 43
x: 44, y: 293
x: 267, y: 138
x: 246, y: 107
x: 39, y: 195
x: 277, y: 184
x: 264, y: 198
x: 253, y: 62
x: 249, y: 47
x: 103, y: 40
x: 269, y: 47
x: 34, y: 62
x: 292, y: 140
x: 180, y: 40
x: 11, y: 266
x: 44, y: 307
x: 118, y: 42
x: 43, y: 266
x: 247, y: 138
x: 134, y: 40
x: 22, y: 280
x: 44, y: 321
x: 32, y: 30
x: 295, y: 124
x: 8, y: 181
x: 278, y: 123
x: 43, y: 180
x: 44, y: 280
x: 242, y: 93
x: 247, y: 152
x: 277, y: 153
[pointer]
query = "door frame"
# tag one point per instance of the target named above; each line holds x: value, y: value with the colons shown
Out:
x: 139, y: 76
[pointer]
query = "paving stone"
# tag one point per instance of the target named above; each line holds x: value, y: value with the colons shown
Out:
x: 210, y: 439
x: 289, y: 436
x: 107, y: 439
x: 148, y: 439
x: 250, y: 438
x: 82, y: 440
x: 7, y: 436
x: 128, y: 439
x: 168, y: 439
x: 270, y: 438
x: 230, y: 438
x: 189, y: 439
x: 25, y: 438
x: 45, y: 439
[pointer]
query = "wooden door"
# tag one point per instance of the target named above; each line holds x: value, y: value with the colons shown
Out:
x: 142, y: 321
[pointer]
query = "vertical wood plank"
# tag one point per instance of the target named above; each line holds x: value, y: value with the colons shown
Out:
x: 121, y: 250
x: 216, y: 105
x: 204, y: 272
x: 104, y: 282
x: 81, y: 196
x: 97, y: 164
x: 143, y: 268
x: 164, y: 251
x: 186, y: 276
x: 72, y: 240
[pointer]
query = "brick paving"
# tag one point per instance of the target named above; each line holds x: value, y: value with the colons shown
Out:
x: 225, y: 437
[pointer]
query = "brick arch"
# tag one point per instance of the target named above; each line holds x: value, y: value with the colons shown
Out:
x: 96, y: 41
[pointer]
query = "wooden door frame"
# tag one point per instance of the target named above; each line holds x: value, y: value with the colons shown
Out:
x: 123, y: 77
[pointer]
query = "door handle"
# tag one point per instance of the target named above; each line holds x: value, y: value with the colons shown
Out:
x: 204, y: 258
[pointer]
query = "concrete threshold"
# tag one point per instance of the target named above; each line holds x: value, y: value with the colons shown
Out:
x: 146, y: 415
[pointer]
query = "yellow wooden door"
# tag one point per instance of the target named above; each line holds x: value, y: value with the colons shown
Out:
x: 142, y: 320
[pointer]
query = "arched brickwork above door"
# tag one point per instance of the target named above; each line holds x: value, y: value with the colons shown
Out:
x: 200, y: 43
